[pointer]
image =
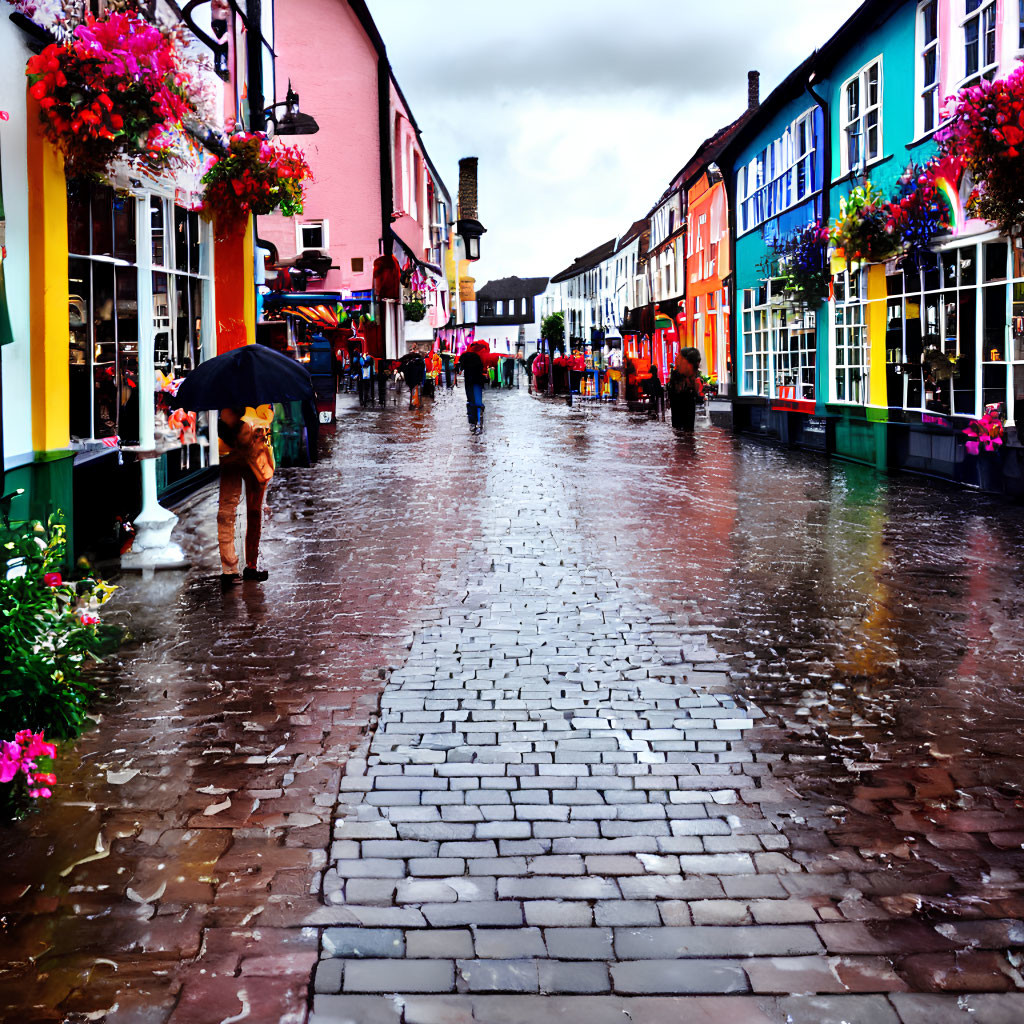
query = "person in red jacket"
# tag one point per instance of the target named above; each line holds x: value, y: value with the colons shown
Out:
x: 539, y: 371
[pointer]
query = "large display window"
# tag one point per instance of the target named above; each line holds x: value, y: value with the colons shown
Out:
x: 955, y: 330
x: 103, y: 315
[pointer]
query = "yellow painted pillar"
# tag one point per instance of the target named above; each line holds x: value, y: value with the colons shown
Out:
x: 48, y: 271
x: 876, y: 324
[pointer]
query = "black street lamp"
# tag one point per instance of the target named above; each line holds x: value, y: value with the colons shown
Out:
x: 293, y: 122
x: 470, y: 231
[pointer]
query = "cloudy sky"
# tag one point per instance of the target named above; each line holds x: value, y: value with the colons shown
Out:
x: 581, y: 111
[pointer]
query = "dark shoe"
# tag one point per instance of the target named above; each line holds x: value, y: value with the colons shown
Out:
x: 229, y: 579
x: 259, y: 575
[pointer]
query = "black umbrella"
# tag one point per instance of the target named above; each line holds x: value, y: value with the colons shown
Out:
x: 248, y: 376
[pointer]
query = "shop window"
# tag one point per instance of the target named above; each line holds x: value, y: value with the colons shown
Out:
x: 861, y: 109
x: 180, y: 280
x: 103, y: 322
x: 928, y: 66
x: 795, y: 351
x: 755, y: 360
x: 979, y: 35
x: 851, y: 359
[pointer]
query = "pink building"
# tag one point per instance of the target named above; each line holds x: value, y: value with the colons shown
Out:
x: 375, y: 190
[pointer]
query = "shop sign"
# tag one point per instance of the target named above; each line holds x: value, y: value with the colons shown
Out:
x: 814, y: 425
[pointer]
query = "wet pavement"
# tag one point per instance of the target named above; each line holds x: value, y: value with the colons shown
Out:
x: 646, y: 726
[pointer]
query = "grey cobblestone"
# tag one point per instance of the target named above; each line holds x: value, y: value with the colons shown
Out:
x: 563, y: 791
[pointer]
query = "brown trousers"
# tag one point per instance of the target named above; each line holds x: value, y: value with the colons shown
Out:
x: 232, y: 476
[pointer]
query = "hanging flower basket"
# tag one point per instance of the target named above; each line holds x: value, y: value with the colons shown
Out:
x: 861, y: 229
x: 256, y: 176
x: 804, y: 265
x: 918, y: 211
x: 986, y: 133
x: 415, y: 310
x: 117, y: 87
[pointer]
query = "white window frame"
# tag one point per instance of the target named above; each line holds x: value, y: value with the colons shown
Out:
x: 769, y: 184
x: 324, y: 227
x: 755, y: 357
x: 850, y: 336
x: 854, y: 126
x: 928, y: 94
x: 986, y: 8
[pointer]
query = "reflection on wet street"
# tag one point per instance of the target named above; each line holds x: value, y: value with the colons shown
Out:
x: 876, y: 622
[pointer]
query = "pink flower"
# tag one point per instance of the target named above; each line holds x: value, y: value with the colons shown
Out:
x: 52, y: 579
x: 10, y: 760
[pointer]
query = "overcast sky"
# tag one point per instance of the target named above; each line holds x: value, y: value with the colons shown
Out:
x: 582, y: 111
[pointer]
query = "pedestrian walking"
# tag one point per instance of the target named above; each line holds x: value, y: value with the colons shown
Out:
x: 414, y: 370
x: 382, y: 382
x: 508, y: 370
x: 684, y: 389
x: 433, y: 362
x: 540, y: 369
x: 448, y: 363
x: 364, y: 368
x: 473, y: 377
x: 246, y: 459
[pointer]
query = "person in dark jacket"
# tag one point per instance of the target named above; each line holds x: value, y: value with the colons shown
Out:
x: 414, y: 370
x: 364, y: 371
x: 383, y: 369
x: 685, y: 388
x: 473, y: 377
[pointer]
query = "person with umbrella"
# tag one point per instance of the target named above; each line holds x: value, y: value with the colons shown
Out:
x: 474, y: 373
x: 414, y: 370
x: 244, y: 384
x: 245, y: 457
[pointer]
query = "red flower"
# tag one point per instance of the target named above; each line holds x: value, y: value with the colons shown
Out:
x: 52, y: 579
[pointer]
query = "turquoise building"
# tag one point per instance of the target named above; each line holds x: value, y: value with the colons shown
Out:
x: 895, y: 361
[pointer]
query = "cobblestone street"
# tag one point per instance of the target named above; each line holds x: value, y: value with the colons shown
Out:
x: 577, y: 720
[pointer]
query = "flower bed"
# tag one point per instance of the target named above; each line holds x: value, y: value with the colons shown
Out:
x: 117, y: 87
x: 255, y: 176
x: 51, y: 632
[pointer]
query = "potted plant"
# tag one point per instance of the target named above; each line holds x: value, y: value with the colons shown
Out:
x: 117, y: 87
x: 415, y: 310
x: 254, y: 176
x: 861, y: 229
x: 985, y: 134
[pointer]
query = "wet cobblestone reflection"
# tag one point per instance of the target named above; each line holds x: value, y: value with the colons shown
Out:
x: 502, y: 603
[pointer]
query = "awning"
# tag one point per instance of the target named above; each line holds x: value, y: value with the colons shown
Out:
x: 324, y: 309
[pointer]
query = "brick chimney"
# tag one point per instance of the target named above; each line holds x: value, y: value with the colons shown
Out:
x: 753, y: 90
x: 467, y: 188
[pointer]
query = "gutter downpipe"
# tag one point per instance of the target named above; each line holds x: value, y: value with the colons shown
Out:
x: 826, y: 113
x: 826, y: 201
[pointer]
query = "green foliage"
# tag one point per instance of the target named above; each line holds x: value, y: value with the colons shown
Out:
x: 862, y: 228
x: 552, y: 330
x: 415, y: 310
x: 50, y: 633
